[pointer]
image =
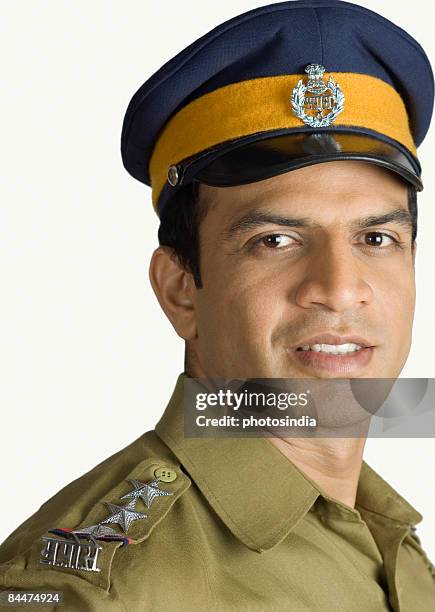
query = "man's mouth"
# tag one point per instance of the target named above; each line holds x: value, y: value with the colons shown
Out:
x: 334, y: 349
x: 337, y: 354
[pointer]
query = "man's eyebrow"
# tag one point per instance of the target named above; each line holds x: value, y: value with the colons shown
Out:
x: 399, y: 216
x: 257, y: 218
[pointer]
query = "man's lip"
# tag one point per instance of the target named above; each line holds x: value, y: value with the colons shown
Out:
x: 334, y: 339
x: 348, y: 364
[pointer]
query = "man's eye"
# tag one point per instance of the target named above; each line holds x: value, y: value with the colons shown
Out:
x: 276, y: 241
x: 379, y: 239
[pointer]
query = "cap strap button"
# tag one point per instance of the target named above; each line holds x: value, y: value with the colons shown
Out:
x: 174, y: 175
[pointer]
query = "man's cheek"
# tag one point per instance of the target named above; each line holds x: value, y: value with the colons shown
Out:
x: 397, y: 297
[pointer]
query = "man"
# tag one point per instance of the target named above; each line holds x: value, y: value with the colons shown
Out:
x: 281, y: 149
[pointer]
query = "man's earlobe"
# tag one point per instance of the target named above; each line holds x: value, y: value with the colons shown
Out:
x: 173, y: 286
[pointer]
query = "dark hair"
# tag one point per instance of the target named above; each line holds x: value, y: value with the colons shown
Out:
x: 179, y: 228
x: 182, y: 216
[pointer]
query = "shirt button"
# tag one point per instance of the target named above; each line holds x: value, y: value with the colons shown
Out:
x: 165, y: 474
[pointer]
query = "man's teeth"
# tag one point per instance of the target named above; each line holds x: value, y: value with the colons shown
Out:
x: 336, y: 349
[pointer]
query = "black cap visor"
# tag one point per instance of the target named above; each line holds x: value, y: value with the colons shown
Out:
x: 244, y: 162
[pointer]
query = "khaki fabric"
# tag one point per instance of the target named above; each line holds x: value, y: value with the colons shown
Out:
x: 243, y: 529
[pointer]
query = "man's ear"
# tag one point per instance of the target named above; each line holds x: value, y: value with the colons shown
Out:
x: 414, y: 251
x: 174, y: 287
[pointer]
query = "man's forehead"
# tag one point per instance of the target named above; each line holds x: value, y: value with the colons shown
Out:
x: 305, y: 195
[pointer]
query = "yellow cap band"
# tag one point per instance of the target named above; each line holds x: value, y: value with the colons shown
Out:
x: 263, y: 104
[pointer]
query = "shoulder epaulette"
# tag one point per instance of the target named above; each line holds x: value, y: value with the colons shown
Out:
x: 125, y: 516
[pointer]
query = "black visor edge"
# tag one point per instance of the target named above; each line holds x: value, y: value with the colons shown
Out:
x: 268, y: 157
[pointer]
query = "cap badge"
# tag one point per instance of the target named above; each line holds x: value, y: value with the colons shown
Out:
x: 311, y: 101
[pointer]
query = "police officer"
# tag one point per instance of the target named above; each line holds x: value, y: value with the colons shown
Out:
x: 281, y: 148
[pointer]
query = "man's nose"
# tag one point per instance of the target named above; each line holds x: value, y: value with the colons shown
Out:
x: 335, y: 279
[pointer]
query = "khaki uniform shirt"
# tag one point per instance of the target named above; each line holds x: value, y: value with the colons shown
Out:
x: 242, y: 529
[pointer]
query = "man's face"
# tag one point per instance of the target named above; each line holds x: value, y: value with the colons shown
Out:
x: 305, y: 259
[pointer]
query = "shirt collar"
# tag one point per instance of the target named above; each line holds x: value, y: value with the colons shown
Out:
x: 257, y: 492
x: 377, y: 496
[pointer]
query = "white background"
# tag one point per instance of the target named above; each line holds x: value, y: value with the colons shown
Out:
x: 88, y: 360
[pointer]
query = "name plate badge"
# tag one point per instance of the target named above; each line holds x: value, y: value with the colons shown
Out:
x: 71, y: 554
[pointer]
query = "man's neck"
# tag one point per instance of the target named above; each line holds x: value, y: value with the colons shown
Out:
x: 332, y: 463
